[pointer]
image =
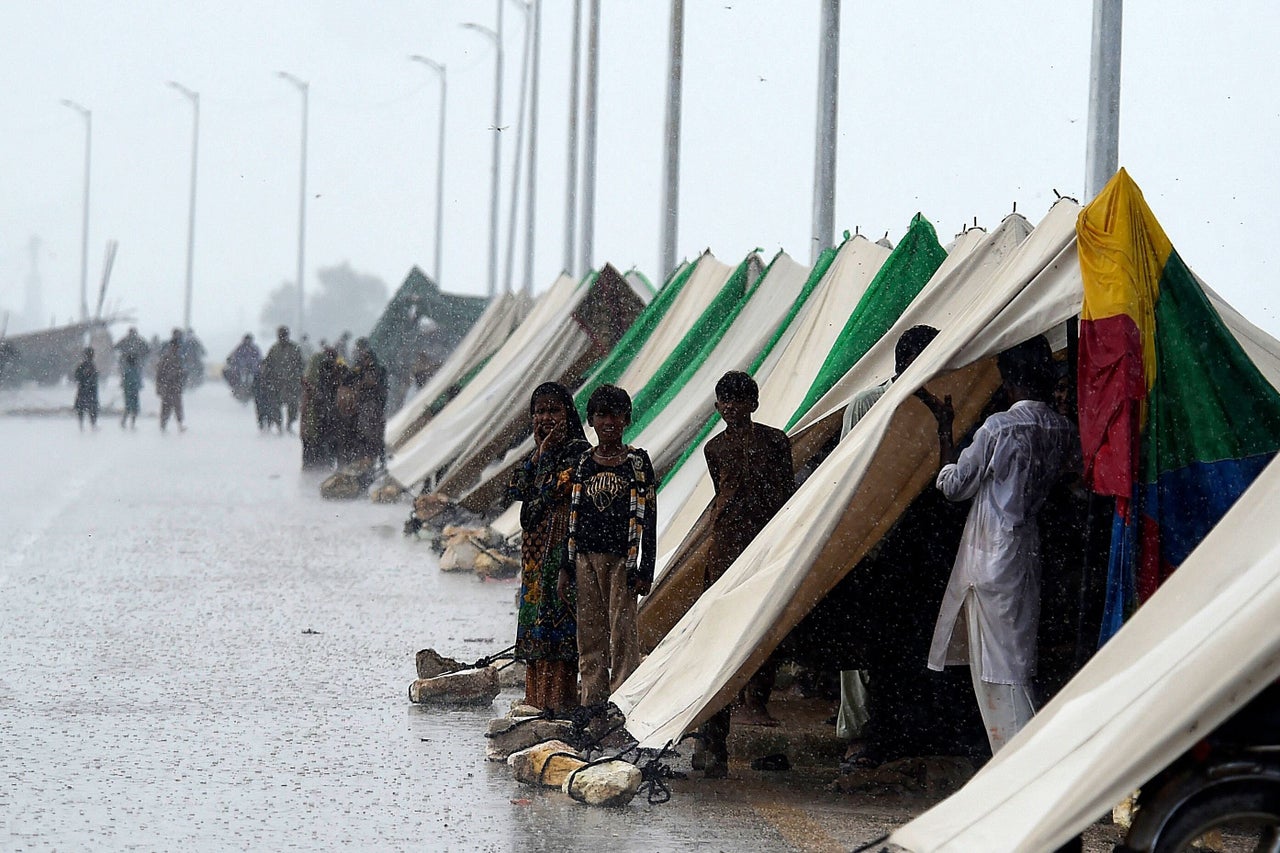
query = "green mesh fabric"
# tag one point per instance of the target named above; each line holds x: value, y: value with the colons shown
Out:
x: 905, y: 272
x: 621, y: 355
x: 820, y: 267
x: 694, y: 348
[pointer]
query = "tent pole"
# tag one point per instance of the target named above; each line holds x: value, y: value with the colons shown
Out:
x: 1084, y: 649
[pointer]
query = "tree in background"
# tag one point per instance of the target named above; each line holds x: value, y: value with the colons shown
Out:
x: 346, y: 300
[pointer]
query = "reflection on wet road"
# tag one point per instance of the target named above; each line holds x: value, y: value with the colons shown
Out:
x: 157, y: 689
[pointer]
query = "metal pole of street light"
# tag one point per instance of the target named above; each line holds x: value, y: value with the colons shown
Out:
x: 571, y: 172
x: 496, y: 168
x: 444, y: 94
x: 589, y: 138
x: 84, y: 228
x: 194, y: 97
x: 530, y: 214
x: 304, y: 89
x: 671, y: 182
x: 824, y: 161
x: 1102, y: 152
x: 509, y: 270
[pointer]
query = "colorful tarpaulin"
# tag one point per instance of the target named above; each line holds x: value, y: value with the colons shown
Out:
x: 1175, y: 420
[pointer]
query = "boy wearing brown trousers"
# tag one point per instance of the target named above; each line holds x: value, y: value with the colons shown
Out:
x: 612, y: 545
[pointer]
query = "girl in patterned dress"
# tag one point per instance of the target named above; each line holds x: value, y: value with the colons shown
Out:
x: 546, y: 630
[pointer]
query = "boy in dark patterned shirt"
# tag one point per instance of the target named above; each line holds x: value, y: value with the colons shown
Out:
x: 612, y: 545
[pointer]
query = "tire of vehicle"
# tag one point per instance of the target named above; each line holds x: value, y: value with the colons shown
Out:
x: 1215, y: 809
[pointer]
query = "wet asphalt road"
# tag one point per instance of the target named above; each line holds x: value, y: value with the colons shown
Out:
x: 159, y: 688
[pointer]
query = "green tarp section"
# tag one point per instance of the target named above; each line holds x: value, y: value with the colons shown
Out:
x: 621, y: 355
x: 1210, y: 403
x: 396, y: 335
x: 820, y: 267
x: 905, y: 273
x: 696, y: 346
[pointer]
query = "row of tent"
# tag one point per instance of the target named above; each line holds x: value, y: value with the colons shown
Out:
x: 813, y: 338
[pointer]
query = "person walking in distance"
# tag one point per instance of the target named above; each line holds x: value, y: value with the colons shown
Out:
x: 131, y: 384
x: 282, y: 371
x: 86, y: 376
x: 171, y: 377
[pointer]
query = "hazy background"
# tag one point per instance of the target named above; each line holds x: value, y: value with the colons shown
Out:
x: 953, y: 109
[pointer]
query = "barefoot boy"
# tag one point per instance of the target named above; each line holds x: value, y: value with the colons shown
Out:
x: 750, y: 465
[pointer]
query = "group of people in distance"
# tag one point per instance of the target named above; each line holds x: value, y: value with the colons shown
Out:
x: 339, y: 405
x: 588, y: 516
x: 273, y: 382
x: 172, y: 376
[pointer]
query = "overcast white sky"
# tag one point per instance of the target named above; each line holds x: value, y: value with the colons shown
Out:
x: 953, y: 109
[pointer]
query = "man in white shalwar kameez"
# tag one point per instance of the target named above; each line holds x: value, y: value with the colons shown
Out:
x: 991, y: 610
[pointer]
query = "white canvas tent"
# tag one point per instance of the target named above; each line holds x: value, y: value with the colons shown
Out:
x: 666, y: 437
x: 704, y: 283
x: 413, y: 462
x: 1189, y: 658
x: 783, y: 377
x: 702, y: 287
x: 683, y: 543
x: 859, y: 491
x: 482, y: 340
x: 548, y: 344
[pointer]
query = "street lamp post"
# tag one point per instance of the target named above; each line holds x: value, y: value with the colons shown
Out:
x: 304, y: 89
x: 444, y: 93
x: 194, y: 97
x: 530, y: 214
x: 1102, y: 151
x: 571, y: 171
x: 509, y: 270
x: 496, y: 35
x: 671, y: 162
x: 824, y: 161
x: 589, y: 138
x: 84, y: 228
